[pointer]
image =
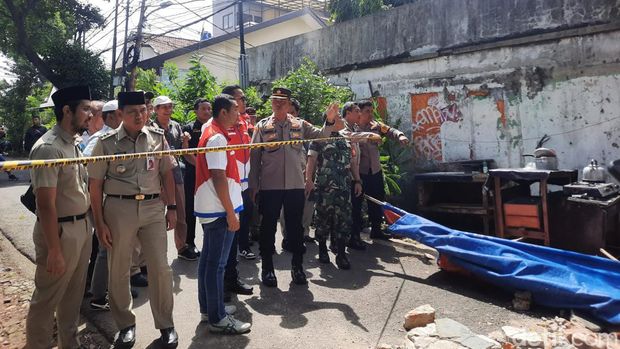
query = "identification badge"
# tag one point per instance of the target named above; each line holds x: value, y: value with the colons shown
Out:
x: 150, y: 163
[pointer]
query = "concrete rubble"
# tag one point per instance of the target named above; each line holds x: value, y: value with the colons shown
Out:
x: 556, y: 333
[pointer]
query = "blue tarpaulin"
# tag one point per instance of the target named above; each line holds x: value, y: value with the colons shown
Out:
x: 555, y: 278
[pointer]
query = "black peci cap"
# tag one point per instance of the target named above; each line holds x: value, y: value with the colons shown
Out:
x: 130, y: 98
x: 68, y: 94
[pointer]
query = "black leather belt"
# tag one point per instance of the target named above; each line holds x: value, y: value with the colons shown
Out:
x: 69, y: 218
x: 137, y: 197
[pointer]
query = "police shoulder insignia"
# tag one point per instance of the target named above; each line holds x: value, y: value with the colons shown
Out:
x: 108, y: 134
x: 156, y: 130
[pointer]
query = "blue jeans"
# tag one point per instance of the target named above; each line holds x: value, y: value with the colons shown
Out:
x: 215, y: 250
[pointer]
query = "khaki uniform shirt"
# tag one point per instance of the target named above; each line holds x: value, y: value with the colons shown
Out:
x: 130, y: 177
x: 72, y: 196
x: 281, y: 168
x: 369, y: 157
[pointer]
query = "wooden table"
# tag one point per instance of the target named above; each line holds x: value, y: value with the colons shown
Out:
x: 528, y: 176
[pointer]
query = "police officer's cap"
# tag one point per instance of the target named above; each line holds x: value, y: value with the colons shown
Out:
x: 68, y: 94
x: 130, y: 98
x: 280, y: 93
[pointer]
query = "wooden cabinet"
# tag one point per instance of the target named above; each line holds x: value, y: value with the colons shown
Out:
x: 529, y: 219
x: 455, y: 193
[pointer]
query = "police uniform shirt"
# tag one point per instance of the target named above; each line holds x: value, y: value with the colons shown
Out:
x: 369, y: 151
x: 134, y: 176
x: 72, y: 196
x: 281, y: 168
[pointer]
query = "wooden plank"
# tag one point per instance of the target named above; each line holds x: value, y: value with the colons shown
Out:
x: 499, y: 214
x: 532, y: 234
x: 545, y: 209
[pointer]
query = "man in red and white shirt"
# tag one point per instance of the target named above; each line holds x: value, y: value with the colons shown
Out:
x: 240, y: 134
x: 217, y: 204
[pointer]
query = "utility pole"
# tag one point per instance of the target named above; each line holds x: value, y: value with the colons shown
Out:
x: 111, y: 94
x: 125, y: 43
x: 243, y: 63
x: 131, y: 82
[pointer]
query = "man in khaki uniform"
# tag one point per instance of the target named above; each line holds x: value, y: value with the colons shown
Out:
x: 133, y: 208
x: 370, y: 171
x: 62, y: 233
x: 278, y: 173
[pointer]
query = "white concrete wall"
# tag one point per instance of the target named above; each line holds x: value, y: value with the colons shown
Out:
x: 497, y: 103
x: 222, y: 58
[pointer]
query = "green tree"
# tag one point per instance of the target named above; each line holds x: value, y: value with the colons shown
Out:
x: 313, y: 90
x: 344, y: 10
x: 39, y: 31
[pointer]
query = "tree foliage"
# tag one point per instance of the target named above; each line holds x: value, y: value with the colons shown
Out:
x: 344, y: 10
x: 313, y: 90
x: 40, y: 30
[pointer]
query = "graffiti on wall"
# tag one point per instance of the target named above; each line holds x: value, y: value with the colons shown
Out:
x: 429, y: 112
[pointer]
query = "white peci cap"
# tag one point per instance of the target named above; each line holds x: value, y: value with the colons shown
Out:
x: 110, y: 106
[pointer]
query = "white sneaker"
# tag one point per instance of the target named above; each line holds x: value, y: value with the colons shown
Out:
x: 230, y: 325
x: 229, y: 309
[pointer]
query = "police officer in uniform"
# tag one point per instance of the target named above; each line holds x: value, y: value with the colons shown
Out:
x: 370, y: 170
x: 278, y: 174
x: 62, y: 233
x: 133, y: 208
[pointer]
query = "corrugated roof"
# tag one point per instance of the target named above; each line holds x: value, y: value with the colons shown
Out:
x: 163, y: 44
x: 294, y: 5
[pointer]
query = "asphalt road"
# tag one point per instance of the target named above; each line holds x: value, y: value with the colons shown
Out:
x: 359, y: 308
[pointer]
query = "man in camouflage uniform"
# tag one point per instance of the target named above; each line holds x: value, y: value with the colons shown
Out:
x: 332, y: 195
x: 337, y: 181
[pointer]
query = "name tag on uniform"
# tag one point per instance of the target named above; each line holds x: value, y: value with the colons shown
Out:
x: 150, y: 163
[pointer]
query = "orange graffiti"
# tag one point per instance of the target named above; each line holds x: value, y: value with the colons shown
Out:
x: 428, y: 116
x: 501, y: 107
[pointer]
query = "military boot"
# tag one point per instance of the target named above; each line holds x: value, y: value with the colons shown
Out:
x: 341, y: 258
x: 323, y: 254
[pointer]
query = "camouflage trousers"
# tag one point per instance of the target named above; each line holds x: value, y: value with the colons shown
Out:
x: 332, y: 214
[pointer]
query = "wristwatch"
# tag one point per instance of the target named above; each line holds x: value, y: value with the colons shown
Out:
x: 171, y: 207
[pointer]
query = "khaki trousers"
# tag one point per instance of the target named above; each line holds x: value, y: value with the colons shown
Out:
x: 60, y: 294
x: 180, y: 230
x: 128, y: 219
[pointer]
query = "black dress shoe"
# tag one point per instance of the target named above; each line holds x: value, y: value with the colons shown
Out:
x: 238, y: 287
x: 268, y: 278
x: 169, y: 338
x: 356, y: 244
x: 139, y: 280
x: 298, y: 275
x: 126, y: 338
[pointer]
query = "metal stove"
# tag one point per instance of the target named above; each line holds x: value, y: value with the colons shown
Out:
x: 592, y: 190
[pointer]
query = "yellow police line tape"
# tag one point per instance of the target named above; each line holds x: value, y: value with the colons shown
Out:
x: 29, y: 164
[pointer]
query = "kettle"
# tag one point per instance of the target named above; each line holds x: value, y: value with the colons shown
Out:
x: 594, y: 173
